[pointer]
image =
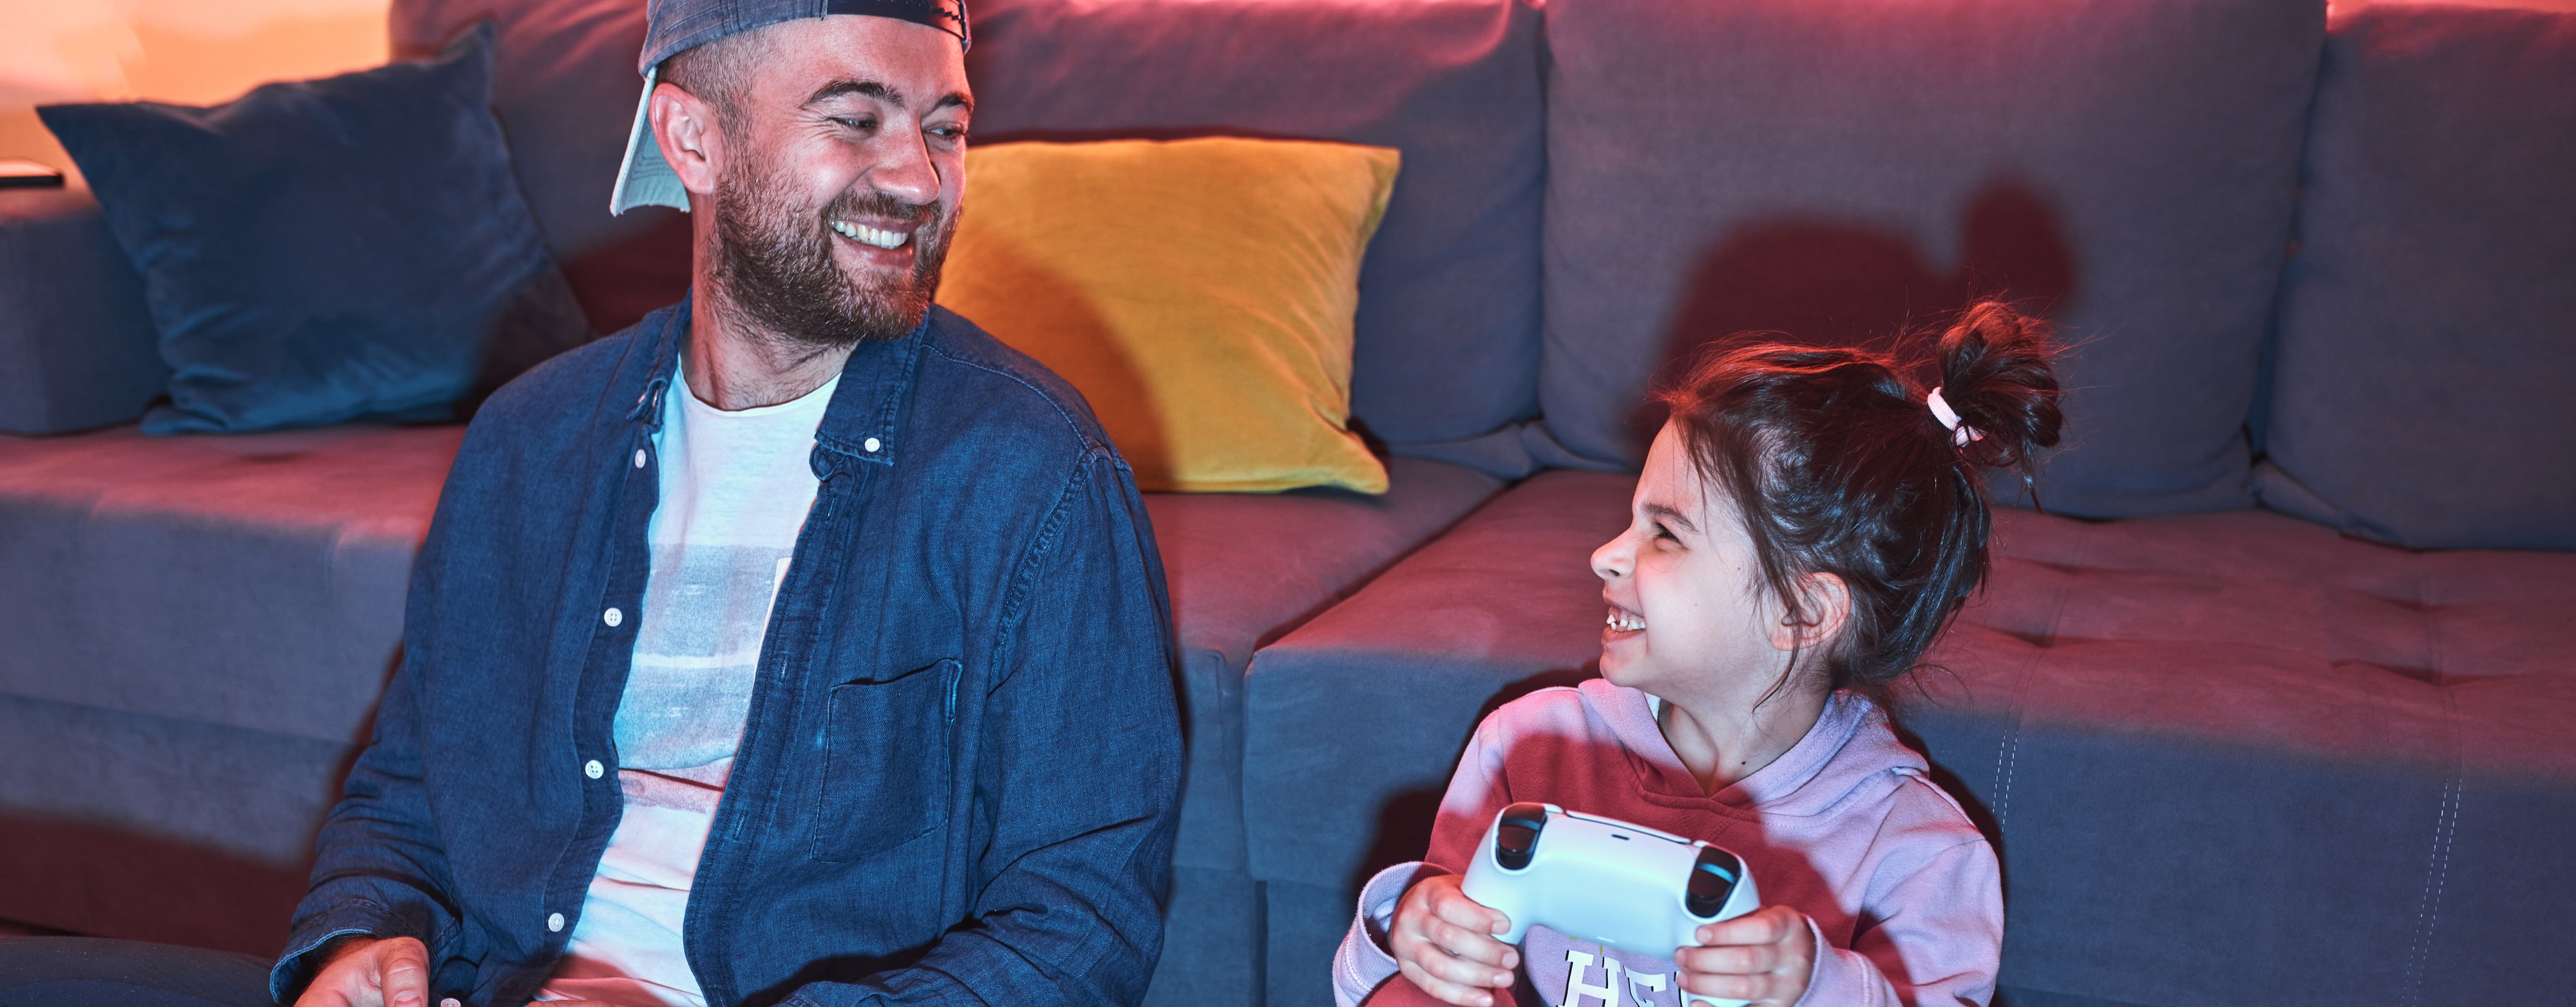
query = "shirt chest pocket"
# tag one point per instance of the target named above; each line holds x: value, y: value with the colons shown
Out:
x: 888, y: 755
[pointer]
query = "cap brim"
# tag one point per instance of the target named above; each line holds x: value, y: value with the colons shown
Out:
x: 645, y: 179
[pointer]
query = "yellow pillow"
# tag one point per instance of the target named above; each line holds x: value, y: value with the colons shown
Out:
x: 1198, y: 292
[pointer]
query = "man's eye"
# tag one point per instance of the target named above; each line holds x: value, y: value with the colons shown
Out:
x: 847, y: 122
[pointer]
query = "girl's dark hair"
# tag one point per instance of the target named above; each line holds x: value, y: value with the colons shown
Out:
x: 1837, y: 465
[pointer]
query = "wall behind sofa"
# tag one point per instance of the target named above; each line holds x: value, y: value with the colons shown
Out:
x: 194, y: 52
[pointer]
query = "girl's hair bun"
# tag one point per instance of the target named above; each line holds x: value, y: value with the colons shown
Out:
x: 1996, y: 374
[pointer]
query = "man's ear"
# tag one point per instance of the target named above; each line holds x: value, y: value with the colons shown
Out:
x: 685, y: 128
x: 1825, y: 601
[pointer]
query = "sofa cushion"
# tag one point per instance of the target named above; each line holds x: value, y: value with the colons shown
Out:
x: 252, y: 581
x: 1838, y: 169
x: 321, y: 251
x: 147, y: 828
x: 1448, y: 319
x: 1244, y: 569
x: 2356, y: 753
x: 1353, y: 721
x: 2227, y: 758
x: 2418, y: 391
x: 76, y: 344
x: 1198, y: 293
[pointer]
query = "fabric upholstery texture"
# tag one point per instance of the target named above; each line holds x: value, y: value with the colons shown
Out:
x: 76, y: 345
x: 1199, y: 293
x: 91, y: 972
x: 2428, y: 326
x: 1242, y: 570
x: 1211, y: 941
x: 2226, y: 758
x: 322, y: 251
x: 1301, y: 924
x: 1839, y: 170
x: 1356, y: 718
x: 153, y: 828
x: 251, y: 581
x: 1447, y: 332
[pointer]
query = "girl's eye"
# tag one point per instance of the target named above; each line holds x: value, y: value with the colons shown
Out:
x: 1662, y: 532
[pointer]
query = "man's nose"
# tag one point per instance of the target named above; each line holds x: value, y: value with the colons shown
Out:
x: 907, y: 173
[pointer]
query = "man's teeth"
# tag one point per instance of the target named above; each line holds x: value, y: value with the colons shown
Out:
x: 869, y: 235
x: 1625, y: 622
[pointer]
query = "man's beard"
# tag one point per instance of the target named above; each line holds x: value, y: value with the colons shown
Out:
x: 774, y: 264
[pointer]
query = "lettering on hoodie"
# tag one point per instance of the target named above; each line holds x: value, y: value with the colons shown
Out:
x: 1599, y: 977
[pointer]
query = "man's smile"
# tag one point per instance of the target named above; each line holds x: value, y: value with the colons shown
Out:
x: 881, y: 237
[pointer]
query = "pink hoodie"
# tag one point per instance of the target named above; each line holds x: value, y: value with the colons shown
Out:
x: 1905, y: 894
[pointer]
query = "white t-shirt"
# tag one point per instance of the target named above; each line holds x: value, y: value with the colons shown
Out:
x: 735, y: 490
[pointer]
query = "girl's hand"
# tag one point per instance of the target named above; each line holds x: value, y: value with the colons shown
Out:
x: 1444, y: 942
x: 1763, y: 956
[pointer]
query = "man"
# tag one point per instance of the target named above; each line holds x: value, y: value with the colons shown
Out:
x: 800, y: 644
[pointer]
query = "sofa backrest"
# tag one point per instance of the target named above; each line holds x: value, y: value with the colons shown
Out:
x: 2422, y: 380
x: 1841, y: 169
x: 77, y: 345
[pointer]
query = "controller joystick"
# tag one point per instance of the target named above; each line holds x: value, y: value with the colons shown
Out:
x: 1603, y: 880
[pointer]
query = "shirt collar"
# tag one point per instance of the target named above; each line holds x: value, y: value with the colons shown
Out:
x: 866, y: 410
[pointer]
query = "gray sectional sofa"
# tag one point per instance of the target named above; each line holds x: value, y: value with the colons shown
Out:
x: 2272, y: 702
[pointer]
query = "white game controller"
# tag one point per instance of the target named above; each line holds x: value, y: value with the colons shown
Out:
x: 1606, y: 881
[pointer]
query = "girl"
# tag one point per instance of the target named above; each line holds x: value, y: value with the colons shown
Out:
x: 1806, y: 524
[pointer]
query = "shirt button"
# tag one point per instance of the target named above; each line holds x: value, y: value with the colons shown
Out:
x: 872, y: 445
x: 639, y: 458
x: 612, y: 617
x: 554, y: 922
x: 593, y: 769
x: 449, y: 1002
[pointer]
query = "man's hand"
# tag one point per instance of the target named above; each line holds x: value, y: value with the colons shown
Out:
x: 371, y: 972
x: 1444, y: 942
x: 1764, y: 956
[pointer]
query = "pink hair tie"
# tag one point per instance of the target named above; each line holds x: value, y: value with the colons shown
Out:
x: 1961, y: 435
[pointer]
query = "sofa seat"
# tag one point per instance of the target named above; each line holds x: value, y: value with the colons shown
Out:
x: 250, y: 581
x: 2227, y: 758
x: 200, y: 626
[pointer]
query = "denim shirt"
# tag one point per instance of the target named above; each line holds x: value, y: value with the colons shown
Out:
x: 959, y: 774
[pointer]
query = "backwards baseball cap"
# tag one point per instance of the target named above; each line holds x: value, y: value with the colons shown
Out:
x: 671, y: 26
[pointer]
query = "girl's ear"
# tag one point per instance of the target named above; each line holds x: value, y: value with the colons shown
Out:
x: 1824, y: 603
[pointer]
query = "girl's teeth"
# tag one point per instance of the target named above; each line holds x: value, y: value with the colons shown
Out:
x: 1625, y: 622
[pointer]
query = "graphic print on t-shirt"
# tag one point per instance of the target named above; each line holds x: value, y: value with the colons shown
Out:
x: 697, y: 653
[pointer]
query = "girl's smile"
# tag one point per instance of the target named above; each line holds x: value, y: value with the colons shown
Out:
x: 1688, y: 619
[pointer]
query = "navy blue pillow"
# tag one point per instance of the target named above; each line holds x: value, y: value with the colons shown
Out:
x: 328, y: 250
